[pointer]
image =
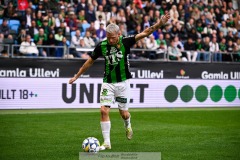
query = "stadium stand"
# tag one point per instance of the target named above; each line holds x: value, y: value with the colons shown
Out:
x: 200, y: 20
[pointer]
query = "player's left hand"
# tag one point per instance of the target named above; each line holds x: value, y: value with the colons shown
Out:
x: 165, y: 18
x: 73, y: 79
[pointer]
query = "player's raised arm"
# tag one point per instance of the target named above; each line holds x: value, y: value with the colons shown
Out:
x: 151, y: 29
x: 83, y: 69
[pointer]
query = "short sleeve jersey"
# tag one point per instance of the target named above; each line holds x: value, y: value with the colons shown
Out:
x: 116, y: 58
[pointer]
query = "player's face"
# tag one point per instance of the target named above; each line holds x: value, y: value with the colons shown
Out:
x: 113, y: 38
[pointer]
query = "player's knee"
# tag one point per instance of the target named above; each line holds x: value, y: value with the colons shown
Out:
x: 104, y: 111
x: 125, y: 114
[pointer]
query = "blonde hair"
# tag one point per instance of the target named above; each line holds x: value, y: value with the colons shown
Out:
x: 112, y: 28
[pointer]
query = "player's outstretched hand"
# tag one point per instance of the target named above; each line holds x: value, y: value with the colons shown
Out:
x: 165, y: 18
x: 73, y: 79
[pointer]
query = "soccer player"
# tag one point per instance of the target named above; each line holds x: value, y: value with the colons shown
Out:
x: 115, y: 86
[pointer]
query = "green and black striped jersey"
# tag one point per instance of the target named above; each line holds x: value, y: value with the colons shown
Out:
x: 116, y: 59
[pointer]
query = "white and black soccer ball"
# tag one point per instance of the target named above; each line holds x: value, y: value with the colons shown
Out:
x: 91, y: 144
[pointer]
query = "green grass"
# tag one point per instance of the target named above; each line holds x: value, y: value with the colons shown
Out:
x: 179, y: 134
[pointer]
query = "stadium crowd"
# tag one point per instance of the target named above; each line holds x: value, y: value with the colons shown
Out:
x: 196, y: 27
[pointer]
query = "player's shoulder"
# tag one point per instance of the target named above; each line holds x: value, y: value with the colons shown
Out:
x: 102, y: 43
x: 99, y: 44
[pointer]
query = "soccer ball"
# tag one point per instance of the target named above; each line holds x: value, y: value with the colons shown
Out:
x: 91, y: 144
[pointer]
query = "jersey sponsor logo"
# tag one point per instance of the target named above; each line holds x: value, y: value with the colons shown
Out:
x: 114, y: 57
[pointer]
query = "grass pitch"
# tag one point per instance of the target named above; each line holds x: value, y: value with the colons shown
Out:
x: 179, y: 134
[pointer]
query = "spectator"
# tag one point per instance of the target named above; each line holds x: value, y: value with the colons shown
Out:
x: 195, y: 13
x: 227, y: 15
x: 236, y: 55
x: 193, y: 34
x: 10, y: 11
x: 95, y: 4
x: 41, y: 9
x: 101, y: 12
x: 230, y: 22
x: 75, y: 42
x: 181, y: 13
x: 100, y: 21
x: 33, y: 30
x: 95, y: 39
x: 190, y: 25
x: 113, y: 13
x: 101, y: 32
x: 89, y: 43
x: 122, y: 28
x: 82, y: 5
x: 173, y: 52
x: 163, y: 8
x: 162, y: 50
x: 51, y: 42
x: 190, y: 48
x: 7, y: 40
x: 230, y: 36
x: 30, y: 5
x: 218, y: 15
x: 178, y: 43
x: 90, y: 15
x: 151, y: 43
x: 220, y: 36
x: 167, y: 29
x: 161, y: 40
x: 84, y: 55
x: 63, y: 27
x: 92, y: 29
x: 138, y: 29
x: 136, y: 16
x: 59, y: 20
x: 21, y: 36
x: 46, y: 28
x: 205, y: 49
x: 156, y: 16
x: 138, y: 54
x: 151, y: 16
x: 174, y: 31
x: 41, y: 39
x: 81, y: 17
x: 215, y: 26
x: 28, y: 48
x: 106, y: 7
x: 199, y: 27
x: 230, y: 49
x: 28, y: 17
x: 61, y: 52
x: 71, y: 21
x: 51, y: 20
x: 146, y: 22
x: 214, y: 48
x: 119, y: 5
x: 47, y: 5
x: 58, y: 37
x: 39, y: 20
x: 131, y: 21
x: 199, y: 45
x: 4, y: 28
x: 207, y: 31
x: 173, y: 12
x: 121, y: 16
x: 168, y: 39
x: 62, y: 11
x: 224, y: 28
x: 222, y: 45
